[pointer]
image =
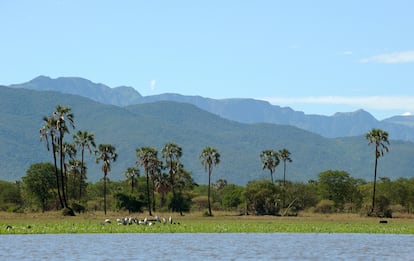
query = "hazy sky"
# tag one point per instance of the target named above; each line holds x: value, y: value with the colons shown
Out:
x: 316, y: 56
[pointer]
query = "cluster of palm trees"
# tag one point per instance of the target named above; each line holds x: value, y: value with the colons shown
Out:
x: 66, y: 165
x: 174, y: 177
x: 270, y: 159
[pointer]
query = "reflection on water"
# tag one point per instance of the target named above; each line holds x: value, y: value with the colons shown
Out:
x: 205, y: 246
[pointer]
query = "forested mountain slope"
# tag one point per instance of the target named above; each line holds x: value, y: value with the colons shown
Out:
x: 154, y: 124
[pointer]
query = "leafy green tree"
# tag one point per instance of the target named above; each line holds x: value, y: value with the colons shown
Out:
x: 84, y: 141
x: 301, y: 196
x: 337, y: 186
x: 261, y: 197
x: 270, y: 160
x: 180, y: 202
x: 40, y: 183
x: 10, y: 196
x: 184, y: 184
x: 128, y: 202
x: 147, y: 157
x: 232, y: 196
x: 379, y: 138
x: 132, y: 174
x: 105, y: 153
x: 209, y: 157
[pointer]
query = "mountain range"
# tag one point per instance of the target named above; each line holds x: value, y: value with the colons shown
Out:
x: 155, y: 122
x: 341, y: 124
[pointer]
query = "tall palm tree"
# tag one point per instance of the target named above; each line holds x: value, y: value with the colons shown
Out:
x: 83, y: 140
x: 147, y: 158
x: 132, y: 174
x: 172, y: 153
x: 380, y: 139
x: 105, y: 153
x: 47, y: 131
x: 209, y: 157
x: 64, y: 120
x: 284, y: 155
x: 270, y: 160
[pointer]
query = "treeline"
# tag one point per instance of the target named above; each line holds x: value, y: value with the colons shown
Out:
x: 333, y: 192
x: 158, y: 181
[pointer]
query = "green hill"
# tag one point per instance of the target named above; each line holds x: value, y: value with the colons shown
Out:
x: 155, y: 124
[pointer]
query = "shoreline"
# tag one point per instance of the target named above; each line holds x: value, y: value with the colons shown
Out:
x: 221, y: 222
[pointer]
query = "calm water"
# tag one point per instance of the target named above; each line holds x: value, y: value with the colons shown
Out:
x: 250, y: 246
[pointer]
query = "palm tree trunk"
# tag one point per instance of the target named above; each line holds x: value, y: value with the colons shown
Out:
x: 148, y: 195
x: 62, y: 176
x: 375, y: 185
x: 57, y: 175
x: 105, y: 194
x: 172, y: 180
x: 208, y: 198
x: 153, y: 196
x: 271, y: 176
x: 284, y: 183
x: 81, y: 174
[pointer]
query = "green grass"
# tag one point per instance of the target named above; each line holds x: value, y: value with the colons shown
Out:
x: 53, y: 223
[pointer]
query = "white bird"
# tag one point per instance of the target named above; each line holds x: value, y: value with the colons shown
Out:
x: 170, y: 220
x: 164, y: 220
x: 108, y: 221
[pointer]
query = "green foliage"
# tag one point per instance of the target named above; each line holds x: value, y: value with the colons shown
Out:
x: 338, y: 186
x: 39, y: 183
x: 129, y: 202
x: 301, y: 196
x: 262, y: 197
x: 180, y: 202
x: 232, y: 196
x: 10, y: 198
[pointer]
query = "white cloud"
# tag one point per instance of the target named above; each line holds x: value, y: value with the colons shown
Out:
x: 397, y: 57
x: 404, y: 103
x: 348, y: 52
x: 152, y: 84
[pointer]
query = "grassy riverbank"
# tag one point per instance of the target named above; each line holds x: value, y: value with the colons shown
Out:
x: 53, y: 222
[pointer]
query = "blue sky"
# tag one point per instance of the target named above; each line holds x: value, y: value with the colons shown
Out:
x: 319, y: 57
